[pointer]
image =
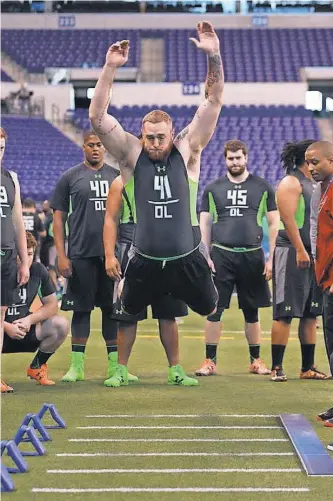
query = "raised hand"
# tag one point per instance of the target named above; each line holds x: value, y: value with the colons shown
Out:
x: 117, y: 55
x: 208, y: 40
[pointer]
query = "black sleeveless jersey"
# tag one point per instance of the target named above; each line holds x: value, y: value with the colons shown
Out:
x: 164, y: 207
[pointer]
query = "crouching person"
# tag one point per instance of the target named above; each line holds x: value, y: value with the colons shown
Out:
x: 42, y: 330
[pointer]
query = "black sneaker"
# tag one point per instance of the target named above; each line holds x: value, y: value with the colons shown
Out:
x: 278, y: 375
x: 330, y: 447
x: 324, y: 416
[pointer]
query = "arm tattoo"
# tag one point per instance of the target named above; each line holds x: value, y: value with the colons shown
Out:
x: 108, y: 131
x: 182, y: 134
x: 103, y: 113
x: 214, y: 74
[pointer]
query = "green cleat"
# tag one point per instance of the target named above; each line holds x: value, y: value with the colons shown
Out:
x: 178, y: 377
x: 119, y: 378
x: 131, y: 378
x: 76, y: 370
x: 113, y: 361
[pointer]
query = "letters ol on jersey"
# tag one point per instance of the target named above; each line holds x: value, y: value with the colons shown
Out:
x: 238, y: 200
x: 100, y: 190
x: 13, y: 310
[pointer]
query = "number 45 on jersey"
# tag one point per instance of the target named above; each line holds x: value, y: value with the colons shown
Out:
x: 238, y: 200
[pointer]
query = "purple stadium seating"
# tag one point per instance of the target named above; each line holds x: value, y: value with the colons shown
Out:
x: 39, y: 49
x: 263, y: 129
x: 249, y: 55
x: 5, y: 77
x: 39, y: 153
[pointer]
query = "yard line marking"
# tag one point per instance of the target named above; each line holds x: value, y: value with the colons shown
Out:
x: 179, y: 428
x: 201, y: 331
x: 172, y: 489
x: 228, y: 338
x: 178, y: 440
x: 179, y: 470
x: 181, y: 415
x: 167, y: 454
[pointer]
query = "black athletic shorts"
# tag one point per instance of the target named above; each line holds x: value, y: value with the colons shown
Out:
x: 188, y: 278
x: 27, y: 345
x: 166, y: 307
x: 9, y: 286
x: 89, y: 286
x: 245, y: 271
x: 295, y: 290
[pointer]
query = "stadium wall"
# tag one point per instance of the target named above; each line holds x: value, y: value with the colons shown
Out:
x: 235, y: 94
x: 168, y: 21
x: 130, y: 94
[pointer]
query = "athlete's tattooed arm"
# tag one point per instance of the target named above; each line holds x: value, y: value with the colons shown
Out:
x: 122, y: 145
x: 204, y: 122
x: 201, y: 129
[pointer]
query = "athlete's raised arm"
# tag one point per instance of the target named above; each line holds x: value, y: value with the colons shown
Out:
x: 122, y: 145
x: 198, y: 133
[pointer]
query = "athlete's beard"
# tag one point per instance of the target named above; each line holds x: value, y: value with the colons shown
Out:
x: 158, y: 155
x: 93, y: 162
x: 237, y: 170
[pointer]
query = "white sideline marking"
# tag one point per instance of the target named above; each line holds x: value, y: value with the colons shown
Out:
x: 167, y: 454
x: 174, y: 489
x: 178, y: 440
x: 179, y: 428
x: 181, y: 415
x: 180, y: 470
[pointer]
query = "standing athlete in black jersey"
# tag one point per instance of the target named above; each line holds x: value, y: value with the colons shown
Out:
x: 232, y: 212
x: 119, y: 221
x: 13, y: 242
x: 163, y: 172
x: 295, y: 292
x: 79, y: 200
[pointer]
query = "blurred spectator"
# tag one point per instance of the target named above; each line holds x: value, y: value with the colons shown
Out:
x: 24, y: 98
x: 33, y: 223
